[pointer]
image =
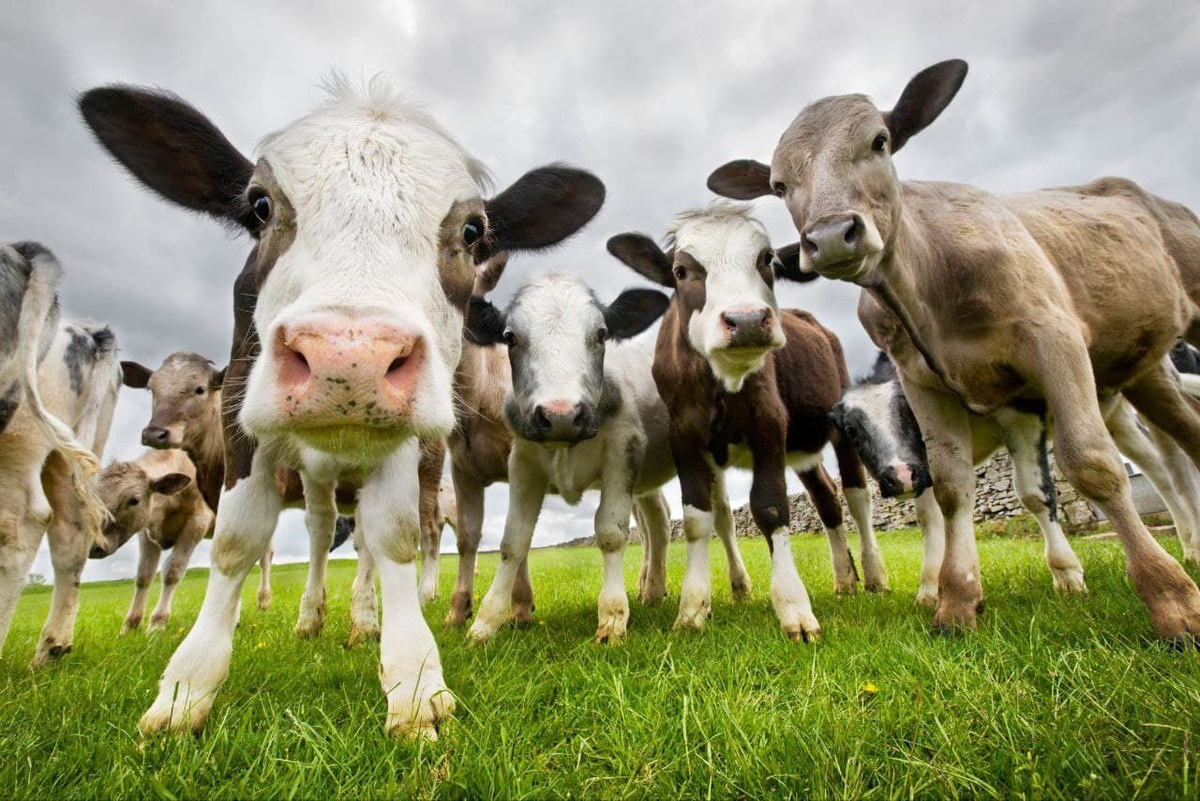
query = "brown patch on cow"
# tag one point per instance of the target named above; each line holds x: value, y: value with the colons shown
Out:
x: 240, y: 446
x: 690, y: 288
x: 456, y: 258
x: 279, y: 232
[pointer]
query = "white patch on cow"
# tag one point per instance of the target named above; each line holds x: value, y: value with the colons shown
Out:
x: 876, y: 402
x: 727, y: 242
x: 858, y: 499
x: 695, y: 597
x: 788, y: 594
x: 802, y: 462
x: 371, y: 177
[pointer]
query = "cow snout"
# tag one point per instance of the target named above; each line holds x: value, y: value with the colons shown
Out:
x: 155, y: 437
x: 562, y: 421
x: 834, y: 240
x: 896, y: 481
x: 748, y: 327
x: 334, y: 370
x: 97, y: 552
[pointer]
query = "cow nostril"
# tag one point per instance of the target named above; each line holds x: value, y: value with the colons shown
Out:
x: 729, y: 322
x: 540, y: 417
x: 851, y: 232
x: 396, y: 364
x: 809, y: 246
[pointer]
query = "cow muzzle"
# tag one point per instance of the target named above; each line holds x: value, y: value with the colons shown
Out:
x: 561, y: 421
x: 836, y: 244
x: 749, y: 327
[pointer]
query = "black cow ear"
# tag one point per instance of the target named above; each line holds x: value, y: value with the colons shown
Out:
x: 171, y: 148
x: 134, y: 375
x: 744, y: 179
x: 218, y: 379
x: 923, y: 99
x: 640, y: 253
x: 634, y: 311
x: 544, y: 207
x: 171, y: 483
x: 787, y: 265
x: 485, y: 323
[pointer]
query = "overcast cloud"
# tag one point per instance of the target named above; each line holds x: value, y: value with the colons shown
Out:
x: 649, y: 95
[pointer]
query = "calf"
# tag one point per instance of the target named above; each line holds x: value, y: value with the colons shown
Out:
x: 749, y: 385
x: 584, y: 415
x: 60, y: 383
x: 874, y: 414
x: 368, y: 220
x: 1000, y: 300
x: 156, y: 497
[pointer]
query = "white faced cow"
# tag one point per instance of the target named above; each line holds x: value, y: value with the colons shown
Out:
x: 986, y: 301
x: 368, y: 220
x: 584, y: 415
x: 58, y: 389
x: 749, y: 385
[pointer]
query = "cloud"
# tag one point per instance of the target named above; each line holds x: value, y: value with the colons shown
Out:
x: 651, y: 96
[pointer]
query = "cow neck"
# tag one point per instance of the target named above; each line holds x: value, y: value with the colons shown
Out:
x: 204, y: 442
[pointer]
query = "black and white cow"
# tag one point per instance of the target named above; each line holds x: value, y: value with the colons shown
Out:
x: 60, y: 381
x: 585, y: 414
x: 875, y: 416
x: 368, y: 219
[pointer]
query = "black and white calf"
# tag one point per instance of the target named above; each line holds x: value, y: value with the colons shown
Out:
x: 58, y: 389
x: 585, y: 414
x: 875, y: 416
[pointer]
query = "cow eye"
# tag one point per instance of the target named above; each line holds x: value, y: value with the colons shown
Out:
x: 680, y: 272
x: 602, y: 335
x: 472, y: 231
x: 779, y: 189
x: 880, y: 143
x: 260, y: 204
x: 134, y: 501
x: 510, y: 338
x: 199, y: 390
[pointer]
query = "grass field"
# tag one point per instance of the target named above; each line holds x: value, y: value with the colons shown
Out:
x: 1051, y: 697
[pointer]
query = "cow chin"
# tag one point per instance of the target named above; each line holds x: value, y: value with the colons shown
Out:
x: 366, y: 444
x: 732, y: 366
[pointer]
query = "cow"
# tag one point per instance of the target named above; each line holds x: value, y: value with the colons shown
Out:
x: 155, y: 496
x: 750, y: 385
x: 988, y: 301
x: 876, y: 417
x: 584, y: 414
x: 59, y: 382
x: 368, y: 219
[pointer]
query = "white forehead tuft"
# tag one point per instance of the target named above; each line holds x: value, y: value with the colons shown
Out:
x: 555, y: 299
x: 876, y: 402
x: 722, y: 227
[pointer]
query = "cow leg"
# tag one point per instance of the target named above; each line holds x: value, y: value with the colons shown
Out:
x: 946, y: 426
x: 264, y: 577
x: 696, y: 479
x: 175, y: 569
x: 149, y: 553
x: 1025, y: 438
x: 1089, y: 459
x: 433, y: 457
x: 933, y: 535
x: 823, y: 494
x: 739, y: 578
x: 200, y: 664
x: 364, y: 606
x: 410, y: 669
x: 1185, y: 485
x: 654, y: 525
x: 522, y: 596
x: 21, y: 531
x: 320, y: 517
x: 69, y: 544
x: 858, y: 499
x: 527, y: 490
x: 623, y: 459
x: 468, y: 493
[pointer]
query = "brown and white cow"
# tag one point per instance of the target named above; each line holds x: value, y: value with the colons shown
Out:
x: 1001, y: 299
x: 368, y: 220
x: 58, y: 390
x: 750, y: 385
x: 156, y: 497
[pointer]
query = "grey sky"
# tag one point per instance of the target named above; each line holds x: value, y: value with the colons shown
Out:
x: 649, y: 95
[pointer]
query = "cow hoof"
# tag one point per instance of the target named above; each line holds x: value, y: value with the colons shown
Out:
x: 264, y: 600
x: 414, y: 713
x: 157, y: 623
x: 695, y: 618
x: 1068, y: 581
x: 652, y: 597
x: 362, y: 632
x: 799, y: 623
x: 456, y: 618
x: 521, y: 617
x: 131, y: 624
x: 175, y: 711
x: 927, y: 598
x: 740, y: 590
x: 309, y: 629
x: 955, y: 615
x: 846, y: 586
x: 481, y: 632
x: 876, y: 584
x: 48, y: 651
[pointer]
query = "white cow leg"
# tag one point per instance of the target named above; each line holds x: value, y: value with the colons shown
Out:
x: 788, y: 594
x: 364, y: 607
x: 612, y: 535
x: 264, y: 577
x: 1173, y: 476
x: 695, y: 597
x: 654, y: 520
x: 21, y: 538
x: 320, y: 516
x: 172, y: 573
x: 739, y: 577
x: 190, y: 683
x: 69, y: 543
x: 858, y: 499
x: 933, y: 535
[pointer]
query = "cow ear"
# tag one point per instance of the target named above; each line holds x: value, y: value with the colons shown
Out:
x: 643, y: 256
x: 634, y: 311
x: 171, y: 148
x: 218, y: 379
x: 788, y: 266
x: 171, y: 483
x: 488, y: 274
x: 134, y: 375
x: 485, y: 323
x: 544, y: 207
x: 925, y: 97
x: 744, y: 179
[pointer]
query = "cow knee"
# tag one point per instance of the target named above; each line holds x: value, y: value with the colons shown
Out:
x: 771, y: 516
x: 610, y: 540
x: 1093, y: 471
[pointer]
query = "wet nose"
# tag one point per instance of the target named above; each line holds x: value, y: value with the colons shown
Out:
x: 896, y: 481
x: 333, y: 369
x: 832, y: 240
x: 561, y: 421
x: 748, y: 326
x: 155, y: 437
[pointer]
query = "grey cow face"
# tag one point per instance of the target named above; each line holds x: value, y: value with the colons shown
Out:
x: 556, y: 332
x: 879, y: 423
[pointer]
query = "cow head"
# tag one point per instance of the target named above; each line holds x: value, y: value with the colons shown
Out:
x: 556, y: 331
x: 128, y: 492
x: 368, y: 221
x: 187, y: 394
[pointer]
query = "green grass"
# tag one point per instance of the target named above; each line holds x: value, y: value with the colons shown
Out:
x: 1051, y: 697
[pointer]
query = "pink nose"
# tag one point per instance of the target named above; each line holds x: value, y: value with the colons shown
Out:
x: 336, y: 370
x: 904, y: 476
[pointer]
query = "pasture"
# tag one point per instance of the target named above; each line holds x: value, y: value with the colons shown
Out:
x: 1051, y: 697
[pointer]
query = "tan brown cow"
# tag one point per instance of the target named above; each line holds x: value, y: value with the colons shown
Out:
x: 1002, y: 300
